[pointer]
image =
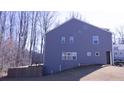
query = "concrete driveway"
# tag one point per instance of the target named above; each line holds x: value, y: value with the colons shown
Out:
x: 107, y: 73
x: 84, y: 73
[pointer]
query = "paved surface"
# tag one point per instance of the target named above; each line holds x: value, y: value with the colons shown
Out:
x: 84, y: 73
x: 108, y: 73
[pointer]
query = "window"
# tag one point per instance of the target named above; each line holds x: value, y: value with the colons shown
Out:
x: 74, y: 55
x: 95, y: 39
x: 97, y: 53
x: 88, y: 53
x: 71, y: 39
x: 69, y: 55
x: 62, y: 40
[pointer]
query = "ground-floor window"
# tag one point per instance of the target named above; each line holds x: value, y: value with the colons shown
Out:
x: 88, y: 53
x: 69, y: 55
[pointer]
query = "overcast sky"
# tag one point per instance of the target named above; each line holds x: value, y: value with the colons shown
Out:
x: 102, y: 13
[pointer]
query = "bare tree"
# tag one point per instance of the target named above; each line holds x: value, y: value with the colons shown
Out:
x: 22, y: 34
x: 12, y: 21
x: 20, y: 28
x: 75, y: 15
x: 7, y: 28
x: 10, y: 40
x: 34, y: 20
x: 3, y: 17
x: 114, y: 38
x: 46, y: 21
x: 120, y: 31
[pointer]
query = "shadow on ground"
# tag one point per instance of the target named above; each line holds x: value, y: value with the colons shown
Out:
x: 69, y: 75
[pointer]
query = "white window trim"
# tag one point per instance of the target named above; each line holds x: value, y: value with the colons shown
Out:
x: 71, y: 39
x: 63, y: 40
x: 89, y: 54
x: 95, y: 38
x: 69, y: 56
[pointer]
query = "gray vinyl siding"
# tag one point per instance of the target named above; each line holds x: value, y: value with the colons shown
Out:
x: 82, y: 33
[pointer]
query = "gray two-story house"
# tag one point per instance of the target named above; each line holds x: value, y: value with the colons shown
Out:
x: 76, y: 43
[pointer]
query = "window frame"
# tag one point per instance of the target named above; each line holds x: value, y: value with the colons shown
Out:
x: 63, y: 39
x: 71, y: 39
x: 95, y: 40
x: 69, y: 56
x: 89, y: 54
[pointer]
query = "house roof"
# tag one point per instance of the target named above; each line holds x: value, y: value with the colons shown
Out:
x: 77, y: 20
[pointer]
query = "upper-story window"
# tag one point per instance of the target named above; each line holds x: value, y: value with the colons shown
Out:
x: 71, y: 39
x: 62, y: 40
x: 95, y: 40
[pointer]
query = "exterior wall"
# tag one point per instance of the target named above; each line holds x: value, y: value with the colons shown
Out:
x: 82, y: 44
